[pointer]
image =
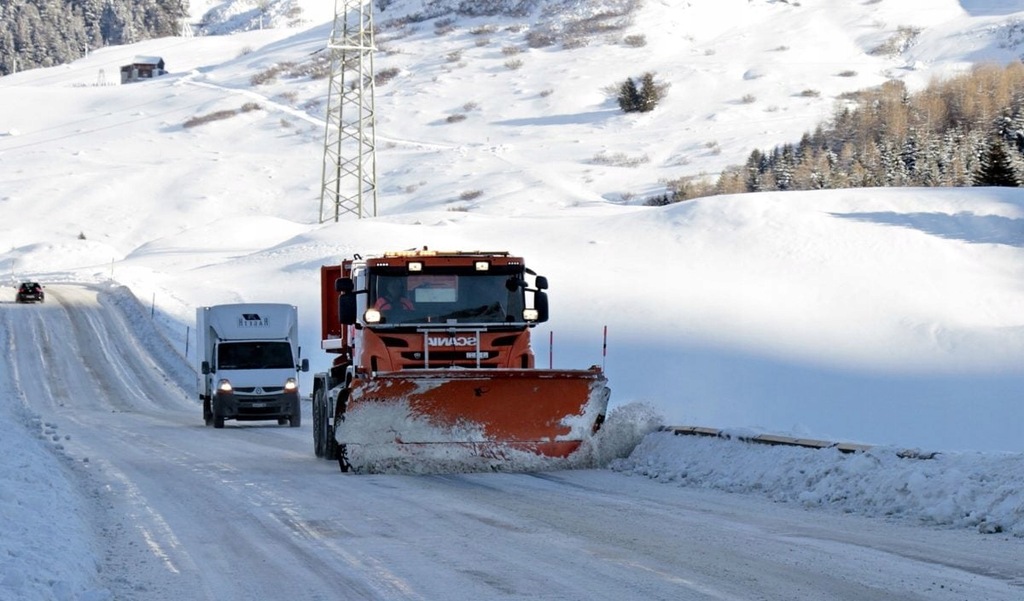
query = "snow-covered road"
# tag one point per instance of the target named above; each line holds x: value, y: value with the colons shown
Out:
x: 182, y: 511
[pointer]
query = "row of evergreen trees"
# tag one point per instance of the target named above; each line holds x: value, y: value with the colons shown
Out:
x: 965, y: 131
x: 44, y: 33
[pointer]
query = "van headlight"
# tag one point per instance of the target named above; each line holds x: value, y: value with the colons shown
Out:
x: 224, y: 386
x: 291, y: 385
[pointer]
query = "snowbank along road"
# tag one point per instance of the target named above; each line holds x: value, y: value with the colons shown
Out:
x: 182, y: 511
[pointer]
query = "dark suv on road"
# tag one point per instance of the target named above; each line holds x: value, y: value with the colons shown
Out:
x: 29, y: 292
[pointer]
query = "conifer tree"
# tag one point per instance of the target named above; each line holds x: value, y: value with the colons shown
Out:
x: 996, y: 168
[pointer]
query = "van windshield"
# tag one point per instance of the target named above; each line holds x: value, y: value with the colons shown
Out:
x: 254, y: 355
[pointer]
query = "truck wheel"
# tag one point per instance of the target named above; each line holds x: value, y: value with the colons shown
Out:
x: 330, y: 444
x: 207, y: 412
x: 318, y: 423
x: 332, y: 450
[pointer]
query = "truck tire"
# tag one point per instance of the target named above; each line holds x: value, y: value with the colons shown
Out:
x: 332, y: 450
x: 319, y: 421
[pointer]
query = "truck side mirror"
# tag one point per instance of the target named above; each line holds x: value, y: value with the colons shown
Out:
x: 304, y: 366
x: 347, y: 301
x: 540, y: 303
x: 205, y: 368
x: 347, y: 309
x: 542, y: 283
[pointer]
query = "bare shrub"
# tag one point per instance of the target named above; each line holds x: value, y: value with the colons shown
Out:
x: 540, y: 39
x: 637, y: 40
x: 748, y: 99
x: 511, y: 50
x: 847, y: 73
x: 513, y: 64
x: 471, y: 106
x: 619, y: 159
x: 289, y: 96
x: 209, y: 117
x: 251, y: 106
x: 897, y: 43
x: 457, y: 117
x: 385, y: 75
x: 809, y: 93
x: 575, y: 41
x: 471, y: 194
x: 546, y: 93
x: 483, y: 30
x: 454, y: 56
x: 444, y: 26
x: 263, y: 77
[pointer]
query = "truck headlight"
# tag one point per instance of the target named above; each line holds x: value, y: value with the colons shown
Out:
x: 291, y: 385
x: 224, y: 386
x: 372, y: 316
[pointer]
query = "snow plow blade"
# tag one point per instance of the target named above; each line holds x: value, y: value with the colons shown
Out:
x: 450, y: 420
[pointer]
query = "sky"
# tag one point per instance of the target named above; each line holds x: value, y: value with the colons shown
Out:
x: 884, y: 317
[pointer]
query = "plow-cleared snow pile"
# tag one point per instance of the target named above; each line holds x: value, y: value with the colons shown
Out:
x: 434, y: 371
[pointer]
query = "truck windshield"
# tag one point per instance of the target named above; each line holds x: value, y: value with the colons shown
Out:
x: 254, y: 355
x: 467, y: 297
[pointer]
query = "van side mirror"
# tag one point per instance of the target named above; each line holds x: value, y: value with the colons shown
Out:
x: 304, y: 366
x: 205, y: 368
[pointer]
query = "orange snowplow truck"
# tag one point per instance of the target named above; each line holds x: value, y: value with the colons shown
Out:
x: 434, y: 369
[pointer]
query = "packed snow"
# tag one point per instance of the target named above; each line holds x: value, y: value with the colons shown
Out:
x: 884, y: 317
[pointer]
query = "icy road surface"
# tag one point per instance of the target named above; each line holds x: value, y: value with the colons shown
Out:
x: 182, y: 511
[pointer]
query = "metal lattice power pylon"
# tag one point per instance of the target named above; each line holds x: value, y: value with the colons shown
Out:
x: 350, y: 163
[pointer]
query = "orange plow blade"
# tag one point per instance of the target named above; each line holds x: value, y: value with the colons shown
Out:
x: 466, y: 420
